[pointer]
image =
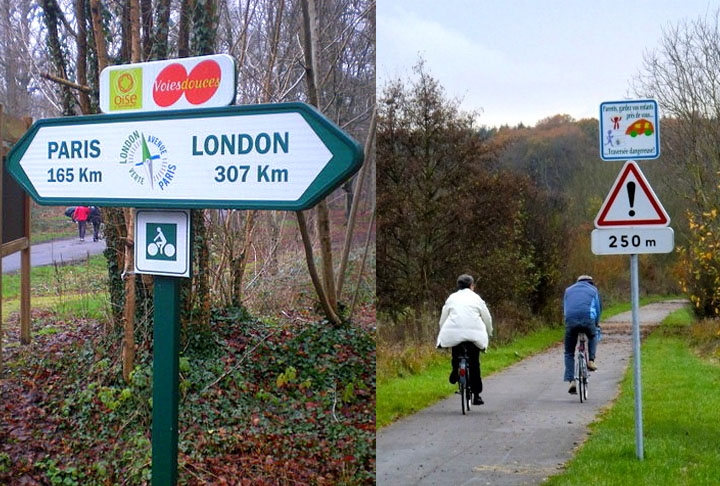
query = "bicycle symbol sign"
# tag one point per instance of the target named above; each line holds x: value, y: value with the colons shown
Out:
x: 163, y: 244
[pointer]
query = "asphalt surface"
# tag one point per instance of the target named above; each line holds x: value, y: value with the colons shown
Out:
x: 55, y: 252
x: 528, y: 428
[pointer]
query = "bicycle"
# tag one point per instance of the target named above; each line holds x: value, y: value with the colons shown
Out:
x: 159, y: 245
x: 581, y: 367
x: 463, y: 373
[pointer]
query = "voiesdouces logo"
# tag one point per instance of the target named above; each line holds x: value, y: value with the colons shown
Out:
x: 198, y: 86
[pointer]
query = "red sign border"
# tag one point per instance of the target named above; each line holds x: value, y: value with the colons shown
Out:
x: 630, y: 166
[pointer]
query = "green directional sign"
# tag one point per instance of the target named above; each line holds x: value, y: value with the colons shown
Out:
x: 276, y: 156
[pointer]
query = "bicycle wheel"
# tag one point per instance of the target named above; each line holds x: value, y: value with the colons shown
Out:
x: 582, y: 379
x: 468, y: 391
x: 463, y: 384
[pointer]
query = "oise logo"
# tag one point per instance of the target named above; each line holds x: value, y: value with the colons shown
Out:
x: 126, y: 89
x: 146, y: 157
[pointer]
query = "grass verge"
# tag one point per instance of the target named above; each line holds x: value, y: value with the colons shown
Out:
x: 78, y: 289
x: 398, y: 397
x: 681, y: 397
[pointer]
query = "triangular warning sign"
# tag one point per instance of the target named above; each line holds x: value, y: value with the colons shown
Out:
x: 631, y: 202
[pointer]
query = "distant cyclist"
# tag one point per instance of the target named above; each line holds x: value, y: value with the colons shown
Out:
x: 582, y: 308
x: 466, y: 319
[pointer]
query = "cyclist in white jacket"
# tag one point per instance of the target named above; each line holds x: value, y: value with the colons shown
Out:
x: 466, y: 320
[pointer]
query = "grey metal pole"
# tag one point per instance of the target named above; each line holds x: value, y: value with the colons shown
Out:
x: 634, y: 293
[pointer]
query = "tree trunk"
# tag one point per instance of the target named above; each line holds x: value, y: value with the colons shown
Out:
x: 128, y: 348
x: 369, y: 142
x: 53, y: 15
x: 81, y: 62
x: 147, y: 28
x: 186, y: 10
x: 239, y: 263
x: 160, y: 45
x: 98, y: 34
x: 326, y: 289
x: 312, y: 270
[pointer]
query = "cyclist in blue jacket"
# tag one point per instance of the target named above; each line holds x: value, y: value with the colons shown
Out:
x: 582, y: 308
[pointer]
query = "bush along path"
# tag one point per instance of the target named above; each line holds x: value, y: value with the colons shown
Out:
x: 260, y: 404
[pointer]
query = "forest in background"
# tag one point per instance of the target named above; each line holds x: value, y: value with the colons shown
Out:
x: 320, y: 53
x: 515, y: 206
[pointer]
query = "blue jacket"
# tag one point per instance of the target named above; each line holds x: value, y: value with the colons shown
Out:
x: 582, y: 303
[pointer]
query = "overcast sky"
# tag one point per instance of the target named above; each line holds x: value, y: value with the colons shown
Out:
x: 525, y: 60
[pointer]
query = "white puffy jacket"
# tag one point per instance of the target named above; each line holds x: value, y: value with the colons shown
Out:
x: 465, y: 317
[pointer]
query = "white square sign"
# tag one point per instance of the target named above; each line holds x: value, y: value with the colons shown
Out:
x: 162, y: 242
x: 629, y: 130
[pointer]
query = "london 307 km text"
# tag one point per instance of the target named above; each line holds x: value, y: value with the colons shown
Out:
x: 248, y: 173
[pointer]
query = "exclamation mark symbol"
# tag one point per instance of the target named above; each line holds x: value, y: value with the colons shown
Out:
x: 631, y: 196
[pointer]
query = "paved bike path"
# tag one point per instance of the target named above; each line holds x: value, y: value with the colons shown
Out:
x: 55, y: 252
x: 526, y: 431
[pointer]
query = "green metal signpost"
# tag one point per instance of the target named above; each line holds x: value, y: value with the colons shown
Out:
x: 166, y: 348
x: 285, y: 156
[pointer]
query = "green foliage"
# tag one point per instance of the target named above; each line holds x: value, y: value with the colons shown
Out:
x: 700, y: 264
x: 445, y: 208
x: 427, y: 155
x: 286, y: 377
x: 705, y: 336
x: 258, y: 400
x: 60, y: 475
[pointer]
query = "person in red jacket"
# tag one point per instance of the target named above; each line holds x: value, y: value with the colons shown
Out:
x: 80, y: 216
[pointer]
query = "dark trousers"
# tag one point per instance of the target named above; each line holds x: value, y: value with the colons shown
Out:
x: 572, y: 329
x: 473, y: 353
x: 82, y: 225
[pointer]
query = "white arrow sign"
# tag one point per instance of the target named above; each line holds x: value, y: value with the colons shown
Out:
x: 284, y: 156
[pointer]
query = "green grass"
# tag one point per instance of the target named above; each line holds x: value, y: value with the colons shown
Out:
x: 50, y: 223
x: 681, y: 399
x: 397, y: 397
x: 78, y: 289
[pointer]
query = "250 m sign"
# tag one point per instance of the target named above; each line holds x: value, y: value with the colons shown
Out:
x: 632, y: 241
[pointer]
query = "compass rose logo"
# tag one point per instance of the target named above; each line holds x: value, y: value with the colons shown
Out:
x: 147, y: 161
